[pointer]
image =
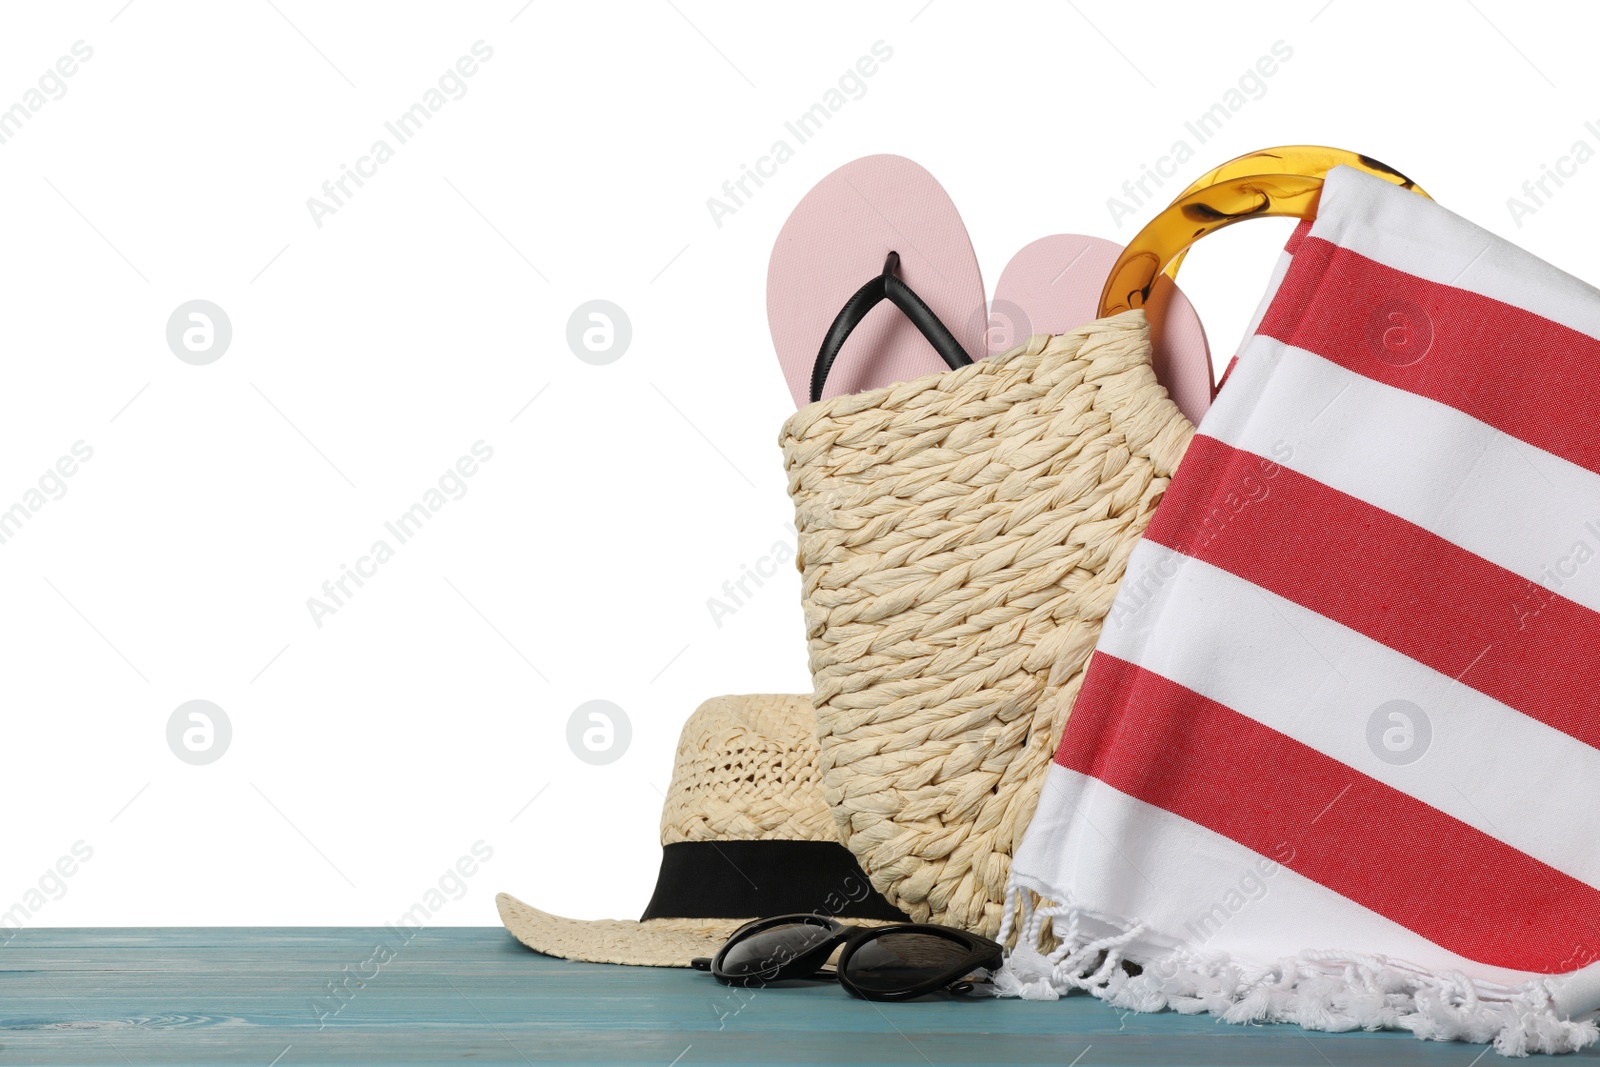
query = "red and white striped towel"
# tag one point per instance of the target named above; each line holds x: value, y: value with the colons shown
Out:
x: 1336, y: 753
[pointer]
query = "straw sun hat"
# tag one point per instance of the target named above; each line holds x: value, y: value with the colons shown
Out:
x: 745, y: 834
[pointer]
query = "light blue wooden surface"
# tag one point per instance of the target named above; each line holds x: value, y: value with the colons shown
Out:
x: 473, y: 995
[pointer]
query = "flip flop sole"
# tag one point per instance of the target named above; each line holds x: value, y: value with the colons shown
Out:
x: 1053, y: 286
x: 836, y: 239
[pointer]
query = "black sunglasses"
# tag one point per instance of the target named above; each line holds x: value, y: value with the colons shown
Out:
x: 897, y: 962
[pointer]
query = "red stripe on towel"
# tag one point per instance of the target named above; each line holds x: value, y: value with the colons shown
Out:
x: 1460, y: 888
x: 1503, y: 365
x: 1411, y: 590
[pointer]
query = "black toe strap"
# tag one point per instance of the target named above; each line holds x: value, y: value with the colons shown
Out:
x: 886, y: 285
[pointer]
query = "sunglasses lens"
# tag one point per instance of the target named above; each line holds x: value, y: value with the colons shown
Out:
x: 765, y: 951
x: 898, y: 961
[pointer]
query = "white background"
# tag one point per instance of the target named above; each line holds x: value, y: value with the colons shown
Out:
x: 368, y: 354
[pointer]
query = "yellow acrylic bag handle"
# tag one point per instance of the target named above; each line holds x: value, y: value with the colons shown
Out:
x: 1313, y: 159
x: 1310, y: 159
x: 1242, y: 192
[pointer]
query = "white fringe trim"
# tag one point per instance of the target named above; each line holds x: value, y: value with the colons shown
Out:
x: 1315, y: 990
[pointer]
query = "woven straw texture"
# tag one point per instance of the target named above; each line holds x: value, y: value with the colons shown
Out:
x: 746, y: 770
x: 961, y: 540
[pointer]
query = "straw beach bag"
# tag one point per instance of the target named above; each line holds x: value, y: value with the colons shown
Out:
x: 961, y: 537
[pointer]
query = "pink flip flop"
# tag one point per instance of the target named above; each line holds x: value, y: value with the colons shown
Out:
x: 882, y: 229
x: 838, y: 240
x: 1053, y: 285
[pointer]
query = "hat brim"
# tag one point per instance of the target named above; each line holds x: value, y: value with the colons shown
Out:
x: 652, y: 943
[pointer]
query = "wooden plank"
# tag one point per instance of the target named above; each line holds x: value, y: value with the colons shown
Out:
x: 251, y: 995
